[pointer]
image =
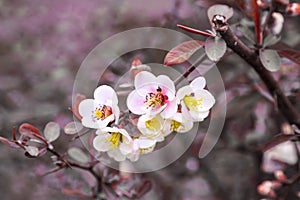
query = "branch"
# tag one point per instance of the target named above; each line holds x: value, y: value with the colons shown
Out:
x: 233, y: 42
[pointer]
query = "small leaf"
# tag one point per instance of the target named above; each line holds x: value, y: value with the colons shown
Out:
x: 73, y: 128
x: 182, y: 52
x: 271, y: 40
x: 293, y: 55
x: 31, y: 132
x: 270, y: 59
x: 215, y: 48
x: 52, y: 131
x: 78, y: 155
x: 278, y: 139
x: 8, y: 143
x: 32, y: 151
x: 219, y: 9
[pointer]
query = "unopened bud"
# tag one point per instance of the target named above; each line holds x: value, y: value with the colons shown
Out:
x: 280, y: 176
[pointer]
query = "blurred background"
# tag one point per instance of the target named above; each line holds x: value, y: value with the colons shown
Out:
x: 42, y: 44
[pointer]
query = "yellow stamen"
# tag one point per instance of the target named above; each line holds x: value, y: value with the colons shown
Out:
x: 175, y: 125
x: 153, y: 124
x: 154, y: 100
x: 192, y: 103
x: 115, y: 139
x: 98, y: 114
x: 102, y: 112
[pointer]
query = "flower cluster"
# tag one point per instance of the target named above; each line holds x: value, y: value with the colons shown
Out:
x: 160, y: 110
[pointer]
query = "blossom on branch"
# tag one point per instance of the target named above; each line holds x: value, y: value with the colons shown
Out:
x: 111, y: 140
x: 194, y: 100
x: 152, y: 95
x: 99, y: 112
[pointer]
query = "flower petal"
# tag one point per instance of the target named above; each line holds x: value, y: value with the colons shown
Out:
x: 144, y: 78
x: 86, y: 107
x: 186, y: 113
x: 170, y: 109
x: 198, y: 83
x: 182, y: 92
x: 150, y: 126
x: 167, y: 86
x: 145, y: 143
x: 187, y: 126
x: 104, y: 93
x: 116, y: 112
x: 208, y: 99
x: 103, y: 123
x: 89, y: 122
x: 135, y: 103
x: 101, y: 143
x: 126, y: 148
x: 116, y: 154
x: 199, y: 116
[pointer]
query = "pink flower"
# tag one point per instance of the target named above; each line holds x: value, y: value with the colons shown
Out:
x: 99, y: 112
x: 152, y: 95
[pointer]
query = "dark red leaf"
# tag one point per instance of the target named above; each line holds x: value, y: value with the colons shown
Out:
x: 31, y: 132
x: 278, y: 139
x: 293, y: 55
x: 143, y: 188
x: 182, y: 52
x: 196, y: 31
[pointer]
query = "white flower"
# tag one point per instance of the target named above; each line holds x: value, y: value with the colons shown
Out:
x: 177, y: 123
x: 111, y: 140
x: 151, y: 126
x: 194, y: 100
x: 152, y: 95
x: 140, y: 146
x: 100, y: 111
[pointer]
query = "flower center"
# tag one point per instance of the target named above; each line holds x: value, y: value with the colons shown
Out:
x: 157, y: 99
x: 153, y: 125
x: 115, y: 139
x: 102, y: 112
x: 175, y: 125
x: 192, y: 103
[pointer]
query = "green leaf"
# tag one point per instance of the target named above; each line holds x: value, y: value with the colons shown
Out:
x: 52, y: 131
x: 78, y: 155
x: 72, y: 128
x: 182, y: 52
x: 215, y: 48
x: 270, y: 59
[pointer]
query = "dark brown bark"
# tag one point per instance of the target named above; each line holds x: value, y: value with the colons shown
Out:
x: 252, y: 58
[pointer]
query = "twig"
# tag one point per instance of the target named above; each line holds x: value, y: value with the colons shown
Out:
x: 233, y: 42
x: 256, y: 16
x: 190, y: 69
